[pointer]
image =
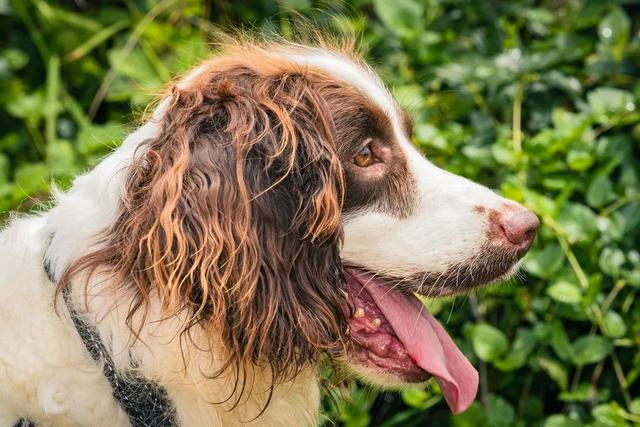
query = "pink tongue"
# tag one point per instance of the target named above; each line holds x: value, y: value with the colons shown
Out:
x: 428, y: 344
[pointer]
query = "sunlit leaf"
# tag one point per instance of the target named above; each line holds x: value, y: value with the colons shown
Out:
x: 556, y: 371
x: 590, y: 349
x: 489, y: 343
x: 32, y: 178
x: 404, y: 17
x: 607, y: 102
x: 559, y: 420
x: 610, y: 415
x: 615, y: 324
x: 611, y: 260
x: 614, y: 31
x: 565, y: 292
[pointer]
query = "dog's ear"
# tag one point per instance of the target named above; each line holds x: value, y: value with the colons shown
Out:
x: 233, y: 215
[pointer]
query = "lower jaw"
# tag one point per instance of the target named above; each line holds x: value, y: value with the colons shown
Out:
x: 405, y: 372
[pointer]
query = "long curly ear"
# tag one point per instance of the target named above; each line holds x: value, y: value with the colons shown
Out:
x: 233, y: 214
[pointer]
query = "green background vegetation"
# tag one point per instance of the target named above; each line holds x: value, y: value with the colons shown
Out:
x: 538, y: 99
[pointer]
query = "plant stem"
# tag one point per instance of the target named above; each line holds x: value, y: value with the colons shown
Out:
x: 124, y: 53
x: 517, y: 118
x: 484, y: 382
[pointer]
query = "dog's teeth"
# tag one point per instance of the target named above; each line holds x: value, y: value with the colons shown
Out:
x: 376, y: 322
x: 359, y: 313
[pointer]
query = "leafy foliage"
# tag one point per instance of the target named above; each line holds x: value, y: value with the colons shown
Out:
x: 536, y: 99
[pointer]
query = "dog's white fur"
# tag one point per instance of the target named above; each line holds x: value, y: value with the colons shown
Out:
x: 444, y: 230
x: 46, y: 374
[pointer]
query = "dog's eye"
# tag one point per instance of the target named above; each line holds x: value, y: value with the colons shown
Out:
x: 365, y: 157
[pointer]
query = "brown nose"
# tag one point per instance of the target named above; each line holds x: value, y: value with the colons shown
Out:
x: 519, y: 227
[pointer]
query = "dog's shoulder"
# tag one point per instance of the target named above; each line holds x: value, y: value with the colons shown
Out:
x: 22, y: 243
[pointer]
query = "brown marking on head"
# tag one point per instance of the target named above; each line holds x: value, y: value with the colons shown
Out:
x: 407, y: 122
x: 359, y: 121
x: 493, y: 220
x: 479, y: 209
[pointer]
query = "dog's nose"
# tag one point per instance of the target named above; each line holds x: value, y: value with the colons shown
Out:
x: 519, y: 227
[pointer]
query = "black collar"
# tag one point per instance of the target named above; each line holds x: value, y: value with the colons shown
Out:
x: 145, y: 402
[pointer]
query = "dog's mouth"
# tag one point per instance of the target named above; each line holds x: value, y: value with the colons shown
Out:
x: 395, y: 334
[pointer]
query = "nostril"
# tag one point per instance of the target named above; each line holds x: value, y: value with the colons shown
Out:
x: 520, y: 227
x: 503, y: 230
x: 530, y: 234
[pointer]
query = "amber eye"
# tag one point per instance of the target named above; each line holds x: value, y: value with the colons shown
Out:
x: 365, y: 157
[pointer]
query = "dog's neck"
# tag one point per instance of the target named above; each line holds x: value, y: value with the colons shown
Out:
x: 187, y: 365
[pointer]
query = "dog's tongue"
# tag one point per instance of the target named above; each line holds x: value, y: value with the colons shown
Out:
x: 428, y: 344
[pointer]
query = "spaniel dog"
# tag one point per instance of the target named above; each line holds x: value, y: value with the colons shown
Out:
x: 270, y: 215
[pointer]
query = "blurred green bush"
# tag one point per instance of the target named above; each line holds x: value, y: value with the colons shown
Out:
x: 538, y: 99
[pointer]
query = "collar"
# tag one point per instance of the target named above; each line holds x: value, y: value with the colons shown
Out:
x: 145, y: 402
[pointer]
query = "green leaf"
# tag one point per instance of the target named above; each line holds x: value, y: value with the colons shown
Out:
x: 565, y: 292
x: 522, y: 346
x: 600, y: 191
x: 415, y: 397
x: 488, y: 342
x: 136, y: 66
x: 429, y: 135
x: 555, y: 370
x: 100, y: 138
x: 559, y: 420
x: 632, y: 277
x: 5, y: 7
x: 435, y: 305
x: 499, y: 412
x: 409, y: 96
x: 546, y: 262
x: 355, y: 412
x: 614, y: 32
x: 32, y: 178
x: 609, y: 415
x: 61, y: 158
x: 582, y: 393
x: 404, y: 17
x: 607, y: 103
x: 31, y: 106
x: 591, y: 349
x: 611, y: 261
x: 16, y: 58
x: 591, y: 13
x: 542, y: 204
x: 95, y: 40
x: 472, y: 417
x: 578, y: 222
x: 419, y: 398
x: 569, y: 124
x: 580, y: 160
x: 4, y: 168
x: 615, y: 324
x: 560, y: 341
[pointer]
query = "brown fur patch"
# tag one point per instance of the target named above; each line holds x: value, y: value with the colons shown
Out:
x: 479, y: 209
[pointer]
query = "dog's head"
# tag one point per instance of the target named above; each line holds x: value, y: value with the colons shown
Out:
x: 282, y: 206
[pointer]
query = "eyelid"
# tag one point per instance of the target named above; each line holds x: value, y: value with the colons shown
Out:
x: 366, y: 142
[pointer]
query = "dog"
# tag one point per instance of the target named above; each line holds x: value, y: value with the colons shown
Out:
x: 271, y: 214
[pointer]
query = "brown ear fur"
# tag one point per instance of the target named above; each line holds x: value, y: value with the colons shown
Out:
x: 233, y: 214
